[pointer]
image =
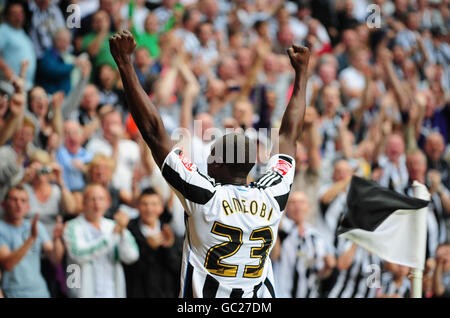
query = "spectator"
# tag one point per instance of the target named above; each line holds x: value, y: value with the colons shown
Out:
x: 107, y: 6
x: 277, y: 80
x: 434, y: 150
x: 305, y: 255
x: 108, y: 91
x: 96, y: 42
x: 393, y: 164
x: 47, y: 199
x: 285, y: 38
x: 46, y: 19
x: 355, y: 265
x: 349, y: 42
x: 21, y: 243
x: 438, y: 51
x: 227, y: 71
x: 394, y: 281
x: 333, y: 198
x: 149, y: 36
x: 100, y: 170
x: 439, y: 205
x: 165, y: 13
x: 15, y: 45
x: 87, y: 114
x: 190, y: 21
x: 11, y: 110
x: 54, y: 73
x: 441, y: 284
x: 208, y: 50
x: 308, y: 164
x: 98, y: 246
x: 434, y: 118
x: 155, y: 273
x: 283, y: 17
x: 330, y: 119
x: 326, y: 75
x: 146, y: 68
x: 345, y: 17
x: 407, y: 37
x: 212, y: 13
x: 72, y: 157
x: 112, y: 143
x: 47, y: 117
x: 63, y: 40
x: 202, y: 140
x: 134, y: 13
x: 352, y: 78
x: 14, y: 156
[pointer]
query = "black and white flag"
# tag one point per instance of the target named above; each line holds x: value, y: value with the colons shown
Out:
x: 386, y: 223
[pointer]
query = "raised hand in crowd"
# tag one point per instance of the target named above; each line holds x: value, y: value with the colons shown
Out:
x: 122, y: 219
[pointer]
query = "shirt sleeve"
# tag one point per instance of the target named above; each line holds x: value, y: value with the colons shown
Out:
x: 4, y: 38
x: 3, y: 237
x: 83, y: 250
x: 128, y: 249
x: 278, y: 178
x: 191, y: 186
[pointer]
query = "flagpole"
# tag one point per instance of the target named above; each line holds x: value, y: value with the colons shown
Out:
x: 420, y: 192
x: 416, y: 284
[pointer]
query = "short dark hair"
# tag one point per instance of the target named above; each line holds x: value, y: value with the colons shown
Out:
x: 187, y: 14
x: 148, y: 191
x: 12, y: 3
x: 18, y: 187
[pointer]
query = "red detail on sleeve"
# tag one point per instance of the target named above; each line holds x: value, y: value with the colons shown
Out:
x: 186, y: 162
x: 282, y: 167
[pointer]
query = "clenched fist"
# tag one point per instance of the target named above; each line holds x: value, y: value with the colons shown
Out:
x: 122, y: 45
x: 299, y: 56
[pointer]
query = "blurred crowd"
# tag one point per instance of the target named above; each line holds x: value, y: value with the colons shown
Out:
x: 85, y: 210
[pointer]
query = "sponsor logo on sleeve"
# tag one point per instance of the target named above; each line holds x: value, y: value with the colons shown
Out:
x: 189, y: 165
x: 282, y: 167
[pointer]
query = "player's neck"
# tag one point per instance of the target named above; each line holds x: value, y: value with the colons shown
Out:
x: 233, y: 181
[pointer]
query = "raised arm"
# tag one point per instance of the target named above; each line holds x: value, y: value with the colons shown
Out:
x: 144, y: 113
x: 293, y: 117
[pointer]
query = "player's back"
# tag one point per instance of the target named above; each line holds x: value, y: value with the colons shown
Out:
x: 230, y: 229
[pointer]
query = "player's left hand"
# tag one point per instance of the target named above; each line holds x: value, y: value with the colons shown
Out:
x: 122, y: 45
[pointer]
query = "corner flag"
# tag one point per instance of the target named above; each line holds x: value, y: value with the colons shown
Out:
x: 386, y: 223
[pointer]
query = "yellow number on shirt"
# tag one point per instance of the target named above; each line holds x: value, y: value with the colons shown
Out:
x: 264, y: 234
x: 221, y: 251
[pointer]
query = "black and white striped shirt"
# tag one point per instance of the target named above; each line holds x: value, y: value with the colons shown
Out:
x: 301, y: 259
x: 230, y: 229
x: 359, y: 280
x: 331, y: 214
x: 44, y: 25
x: 390, y: 288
